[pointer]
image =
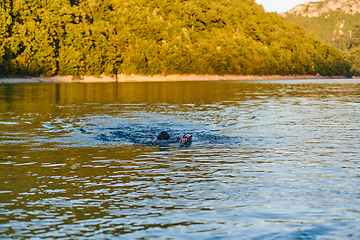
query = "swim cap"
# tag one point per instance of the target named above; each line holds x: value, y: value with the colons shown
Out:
x: 163, y: 136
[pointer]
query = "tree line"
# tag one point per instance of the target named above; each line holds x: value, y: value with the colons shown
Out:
x: 338, y: 29
x: 94, y: 37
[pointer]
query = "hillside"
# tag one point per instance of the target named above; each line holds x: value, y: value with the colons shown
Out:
x: 93, y: 37
x: 316, y: 9
x: 336, y: 22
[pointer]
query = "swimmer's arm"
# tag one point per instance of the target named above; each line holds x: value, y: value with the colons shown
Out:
x: 180, y: 137
x: 185, y: 138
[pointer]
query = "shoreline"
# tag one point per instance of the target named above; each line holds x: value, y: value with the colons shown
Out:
x: 158, y: 78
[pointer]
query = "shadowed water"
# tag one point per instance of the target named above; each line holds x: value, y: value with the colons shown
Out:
x: 269, y: 160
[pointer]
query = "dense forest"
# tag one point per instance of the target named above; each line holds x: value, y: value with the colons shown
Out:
x: 94, y: 37
x: 338, y: 29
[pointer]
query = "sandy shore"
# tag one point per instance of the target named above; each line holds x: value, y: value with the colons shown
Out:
x: 156, y: 78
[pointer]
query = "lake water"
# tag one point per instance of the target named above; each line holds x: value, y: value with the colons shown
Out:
x: 269, y: 160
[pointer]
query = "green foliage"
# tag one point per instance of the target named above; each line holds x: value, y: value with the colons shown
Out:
x: 5, y: 29
x: 94, y: 37
x: 338, y: 29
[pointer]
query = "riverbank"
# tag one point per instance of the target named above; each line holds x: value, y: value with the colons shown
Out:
x: 157, y: 78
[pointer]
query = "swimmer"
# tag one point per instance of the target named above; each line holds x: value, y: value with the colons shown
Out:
x: 182, y: 138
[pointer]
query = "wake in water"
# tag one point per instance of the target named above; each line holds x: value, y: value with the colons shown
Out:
x: 140, y: 131
x: 105, y: 131
x: 147, y: 136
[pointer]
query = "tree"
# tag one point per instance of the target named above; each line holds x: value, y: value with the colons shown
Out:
x: 5, y: 29
x: 94, y: 37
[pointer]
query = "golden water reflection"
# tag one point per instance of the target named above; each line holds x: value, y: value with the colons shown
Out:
x: 44, y: 98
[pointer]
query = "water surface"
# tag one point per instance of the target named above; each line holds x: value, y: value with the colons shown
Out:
x: 270, y: 160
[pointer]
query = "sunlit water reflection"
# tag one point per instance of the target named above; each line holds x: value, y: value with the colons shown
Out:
x: 269, y: 160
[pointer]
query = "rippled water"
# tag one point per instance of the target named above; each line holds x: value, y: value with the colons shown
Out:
x: 269, y: 160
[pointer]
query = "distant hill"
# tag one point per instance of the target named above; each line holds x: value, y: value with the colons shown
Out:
x: 337, y: 22
x: 93, y: 37
x: 316, y: 9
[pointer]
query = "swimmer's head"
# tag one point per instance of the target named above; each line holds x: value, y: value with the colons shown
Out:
x: 163, y: 136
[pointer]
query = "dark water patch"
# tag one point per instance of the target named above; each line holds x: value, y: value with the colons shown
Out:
x: 147, y: 135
